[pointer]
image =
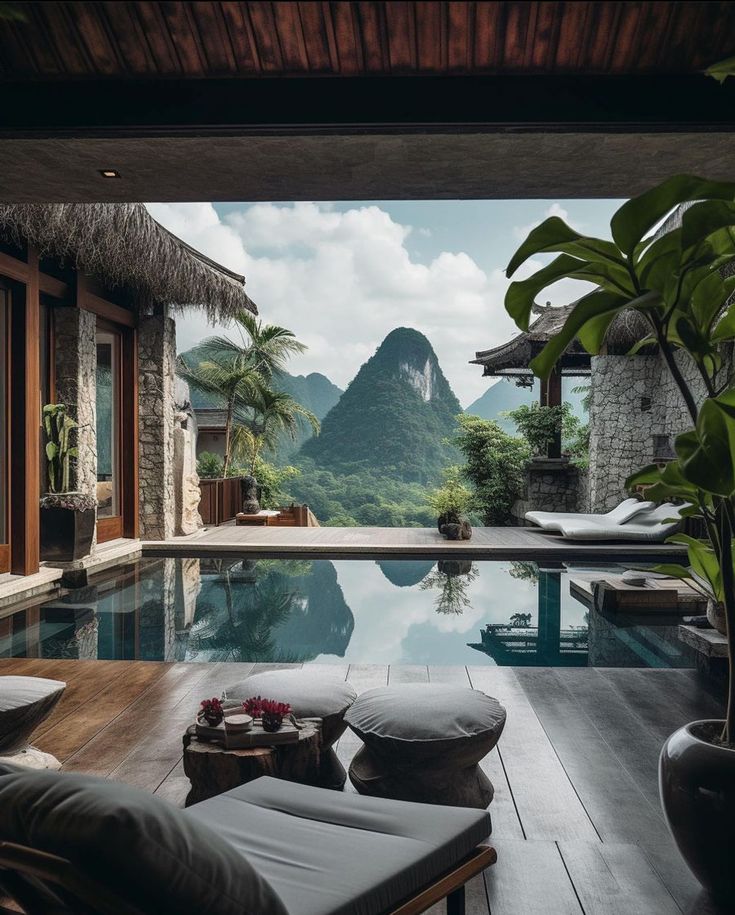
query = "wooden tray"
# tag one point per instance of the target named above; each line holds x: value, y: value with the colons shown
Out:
x: 255, y: 737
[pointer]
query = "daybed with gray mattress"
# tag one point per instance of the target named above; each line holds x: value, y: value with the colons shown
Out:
x: 73, y: 843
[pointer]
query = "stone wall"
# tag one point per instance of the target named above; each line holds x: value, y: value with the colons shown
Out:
x: 633, y: 401
x: 156, y: 411
x: 75, y: 367
x: 552, y: 485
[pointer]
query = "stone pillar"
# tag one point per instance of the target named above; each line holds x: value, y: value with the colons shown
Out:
x: 156, y: 411
x: 75, y: 366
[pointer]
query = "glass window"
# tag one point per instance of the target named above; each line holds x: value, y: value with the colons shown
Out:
x: 108, y: 423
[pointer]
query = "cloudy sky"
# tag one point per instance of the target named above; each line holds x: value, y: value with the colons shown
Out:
x: 343, y: 275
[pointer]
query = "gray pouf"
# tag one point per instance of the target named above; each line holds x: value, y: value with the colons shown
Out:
x: 310, y: 695
x: 24, y: 703
x: 423, y: 742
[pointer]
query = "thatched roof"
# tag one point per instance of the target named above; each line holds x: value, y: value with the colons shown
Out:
x: 122, y: 245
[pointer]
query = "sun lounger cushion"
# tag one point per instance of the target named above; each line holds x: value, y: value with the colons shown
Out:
x: 340, y: 854
x: 311, y: 695
x: 553, y: 521
x: 143, y: 849
x: 24, y: 703
x: 419, y: 722
x: 653, y: 527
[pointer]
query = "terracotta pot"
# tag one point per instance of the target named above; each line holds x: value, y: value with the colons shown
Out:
x: 697, y: 784
x: 716, y: 616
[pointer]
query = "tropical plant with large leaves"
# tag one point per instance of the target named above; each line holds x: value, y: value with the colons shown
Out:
x: 674, y: 279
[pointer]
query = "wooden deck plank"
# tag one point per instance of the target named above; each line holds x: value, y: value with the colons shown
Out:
x: 407, y: 673
x: 547, y: 804
x: 620, y: 810
x: 486, y: 543
x: 530, y: 879
x: 613, y: 879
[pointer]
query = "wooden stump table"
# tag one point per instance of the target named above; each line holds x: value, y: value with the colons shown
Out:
x: 213, y: 769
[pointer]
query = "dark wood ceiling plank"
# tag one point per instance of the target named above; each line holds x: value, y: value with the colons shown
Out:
x: 489, y: 35
x: 703, y: 37
x: 214, y: 38
x: 546, y: 32
x: 653, y: 45
x: 30, y: 39
x: 242, y: 39
x: 266, y: 37
x: 572, y: 35
x: 90, y: 25
x: 59, y: 25
x: 184, y: 37
x: 321, y: 52
x: 519, y: 32
x: 291, y: 38
x: 347, y: 37
x: 127, y: 34
x: 602, y: 28
x: 400, y: 24
x: 373, y: 37
x: 460, y: 24
x: 430, y: 36
x: 17, y: 53
x: 159, y: 39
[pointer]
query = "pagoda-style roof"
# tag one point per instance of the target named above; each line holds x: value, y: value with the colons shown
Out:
x: 514, y: 357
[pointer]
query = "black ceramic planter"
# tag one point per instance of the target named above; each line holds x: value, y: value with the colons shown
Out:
x: 697, y: 782
x: 66, y: 534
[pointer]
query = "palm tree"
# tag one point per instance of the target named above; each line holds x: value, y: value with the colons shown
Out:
x: 227, y: 376
x: 269, y: 414
x: 239, y: 372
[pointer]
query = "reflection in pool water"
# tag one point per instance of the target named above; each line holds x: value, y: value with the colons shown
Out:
x: 358, y: 611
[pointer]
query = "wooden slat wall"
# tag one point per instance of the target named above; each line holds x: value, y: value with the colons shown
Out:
x: 143, y: 39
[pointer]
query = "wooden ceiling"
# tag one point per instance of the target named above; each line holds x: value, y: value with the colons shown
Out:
x: 131, y: 40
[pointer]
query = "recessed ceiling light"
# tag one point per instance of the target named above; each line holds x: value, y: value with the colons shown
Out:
x: 109, y: 173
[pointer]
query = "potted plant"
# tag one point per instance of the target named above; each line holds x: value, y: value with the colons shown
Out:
x: 675, y: 280
x: 67, y: 517
x: 451, y: 502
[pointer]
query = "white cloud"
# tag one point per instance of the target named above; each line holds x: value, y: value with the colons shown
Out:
x: 343, y: 280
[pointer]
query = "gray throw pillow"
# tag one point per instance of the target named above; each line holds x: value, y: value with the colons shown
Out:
x: 415, y: 722
x: 311, y: 695
x: 145, y: 850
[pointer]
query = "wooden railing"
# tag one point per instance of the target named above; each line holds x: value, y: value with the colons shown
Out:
x: 220, y: 500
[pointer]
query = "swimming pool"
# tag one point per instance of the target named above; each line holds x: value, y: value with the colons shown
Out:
x: 358, y: 611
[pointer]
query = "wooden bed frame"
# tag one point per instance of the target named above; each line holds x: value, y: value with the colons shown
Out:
x: 44, y: 884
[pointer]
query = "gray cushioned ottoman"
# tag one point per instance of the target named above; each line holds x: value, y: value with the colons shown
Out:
x: 311, y: 695
x: 423, y: 742
x: 24, y: 703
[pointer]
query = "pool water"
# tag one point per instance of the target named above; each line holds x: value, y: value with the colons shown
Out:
x: 356, y: 611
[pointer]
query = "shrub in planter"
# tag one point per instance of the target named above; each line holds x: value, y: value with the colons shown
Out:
x: 67, y: 517
x: 450, y: 501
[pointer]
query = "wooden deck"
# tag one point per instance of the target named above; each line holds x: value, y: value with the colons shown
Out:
x: 502, y: 543
x: 576, y: 815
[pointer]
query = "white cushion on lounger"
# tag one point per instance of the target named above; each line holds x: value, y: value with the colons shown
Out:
x: 327, y: 853
x: 553, y: 521
x: 652, y: 526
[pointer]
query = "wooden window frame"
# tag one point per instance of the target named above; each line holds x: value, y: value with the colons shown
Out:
x: 5, y: 546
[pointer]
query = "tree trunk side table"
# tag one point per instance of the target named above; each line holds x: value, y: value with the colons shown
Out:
x: 212, y: 769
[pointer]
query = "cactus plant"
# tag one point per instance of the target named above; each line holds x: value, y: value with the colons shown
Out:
x: 58, y: 426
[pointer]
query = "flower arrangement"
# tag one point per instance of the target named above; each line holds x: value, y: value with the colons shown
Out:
x: 212, y: 711
x: 270, y: 712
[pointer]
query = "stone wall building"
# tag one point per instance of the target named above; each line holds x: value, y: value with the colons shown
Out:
x: 88, y: 298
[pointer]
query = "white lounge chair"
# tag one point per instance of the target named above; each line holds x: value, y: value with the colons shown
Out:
x: 553, y: 521
x: 650, y: 526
